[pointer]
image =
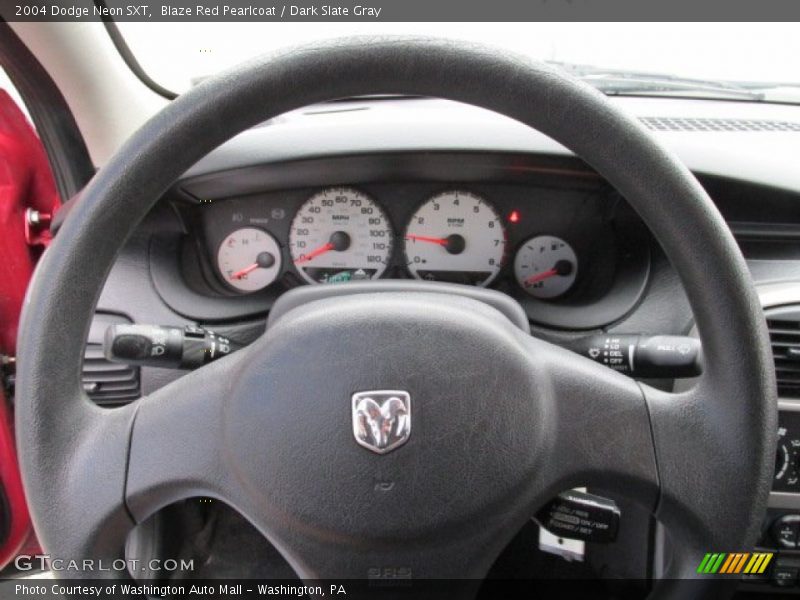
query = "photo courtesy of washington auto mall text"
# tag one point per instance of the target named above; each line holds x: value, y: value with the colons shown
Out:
x: 195, y: 590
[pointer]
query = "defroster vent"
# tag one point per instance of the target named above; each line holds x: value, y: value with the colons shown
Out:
x: 107, y: 383
x: 715, y: 124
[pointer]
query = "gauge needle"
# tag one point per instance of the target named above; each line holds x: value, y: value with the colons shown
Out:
x: 242, y: 272
x: 453, y: 243
x: 264, y: 260
x: 563, y: 267
x: 316, y: 252
x: 430, y: 240
x: 541, y: 276
x: 339, y: 241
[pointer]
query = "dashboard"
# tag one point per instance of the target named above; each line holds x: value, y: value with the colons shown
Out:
x: 434, y: 190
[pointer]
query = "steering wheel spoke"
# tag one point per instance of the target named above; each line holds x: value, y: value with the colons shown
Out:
x: 600, y: 428
x: 700, y: 437
x: 93, y: 518
x: 176, y: 448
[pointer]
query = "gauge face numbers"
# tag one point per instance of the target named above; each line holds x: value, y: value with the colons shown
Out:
x: 783, y: 464
x: 546, y: 266
x: 338, y: 235
x: 249, y: 259
x: 787, y: 458
x: 457, y: 237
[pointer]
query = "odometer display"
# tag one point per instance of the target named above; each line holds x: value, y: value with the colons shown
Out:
x: 340, y: 234
x: 456, y: 236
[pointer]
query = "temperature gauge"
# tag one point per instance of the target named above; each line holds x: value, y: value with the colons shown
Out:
x: 546, y: 266
x: 249, y: 259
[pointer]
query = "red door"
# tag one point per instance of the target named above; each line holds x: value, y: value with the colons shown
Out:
x: 26, y: 184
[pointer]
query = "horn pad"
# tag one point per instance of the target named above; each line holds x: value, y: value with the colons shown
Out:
x: 474, y: 415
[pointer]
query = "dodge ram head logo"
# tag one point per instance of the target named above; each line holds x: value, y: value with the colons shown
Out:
x: 381, y: 419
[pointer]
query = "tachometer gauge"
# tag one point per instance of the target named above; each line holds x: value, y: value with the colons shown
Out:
x: 340, y: 234
x: 249, y: 259
x: 546, y: 266
x: 455, y: 236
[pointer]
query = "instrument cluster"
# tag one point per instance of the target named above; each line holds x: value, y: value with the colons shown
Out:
x: 342, y: 234
x: 547, y: 246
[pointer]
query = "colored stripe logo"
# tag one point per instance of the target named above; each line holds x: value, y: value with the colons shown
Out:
x: 734, y: 563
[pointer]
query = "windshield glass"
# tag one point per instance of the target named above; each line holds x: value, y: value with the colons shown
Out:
x: 745, y: 61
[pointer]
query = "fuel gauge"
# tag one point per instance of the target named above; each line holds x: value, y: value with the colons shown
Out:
x: 546, y: 266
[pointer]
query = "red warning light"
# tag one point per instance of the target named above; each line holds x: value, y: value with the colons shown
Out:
x: 513, y: 217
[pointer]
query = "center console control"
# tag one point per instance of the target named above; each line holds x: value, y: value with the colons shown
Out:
x: 787, y: 456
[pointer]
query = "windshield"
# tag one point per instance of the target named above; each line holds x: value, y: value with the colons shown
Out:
x: 743, y: 61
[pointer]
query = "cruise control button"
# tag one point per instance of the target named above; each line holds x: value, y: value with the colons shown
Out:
x: 785, y: 571
x: 784, y: 576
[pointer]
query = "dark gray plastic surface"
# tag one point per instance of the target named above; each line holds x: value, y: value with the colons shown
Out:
x: 500, y: 302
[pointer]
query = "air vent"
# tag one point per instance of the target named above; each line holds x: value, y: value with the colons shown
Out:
x: 784, y: 333
x: 735, y: 125
x: 107, y: 383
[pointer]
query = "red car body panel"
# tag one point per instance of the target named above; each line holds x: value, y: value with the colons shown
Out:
x: 26, y: 182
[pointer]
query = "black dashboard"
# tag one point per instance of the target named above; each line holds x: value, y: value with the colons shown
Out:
x: 196, y: 258
x: 397, y: 159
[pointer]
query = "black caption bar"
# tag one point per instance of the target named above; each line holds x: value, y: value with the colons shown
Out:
x: 399, y: 10
x: 347, y: 589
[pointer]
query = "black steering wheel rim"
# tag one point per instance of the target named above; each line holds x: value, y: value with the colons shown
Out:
x: 727, y: 422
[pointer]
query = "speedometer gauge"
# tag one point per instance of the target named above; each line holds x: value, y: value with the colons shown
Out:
x: 340, y: 234
x: 455, y: 236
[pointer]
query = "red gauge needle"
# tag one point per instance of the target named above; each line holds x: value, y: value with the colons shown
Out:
x: 316, y: 252
x: 541, y: 276
x: 453, y: 243
x: 430, y: 240
x: 563, y: 267
x: 264, y: 260
x: 339, y: 241
x: 242, y: 272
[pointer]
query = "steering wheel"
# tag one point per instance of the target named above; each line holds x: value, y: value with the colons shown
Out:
x: 501, y: 421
